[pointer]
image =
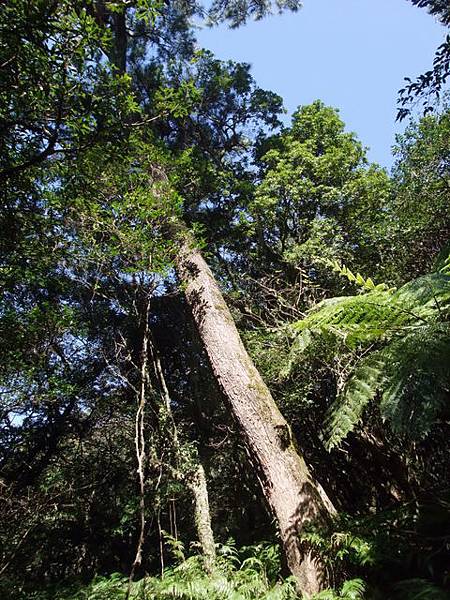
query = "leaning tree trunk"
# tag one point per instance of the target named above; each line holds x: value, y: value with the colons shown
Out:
x: 294, y: 497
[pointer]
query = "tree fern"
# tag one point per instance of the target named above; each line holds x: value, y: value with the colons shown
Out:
x: 400, y: 345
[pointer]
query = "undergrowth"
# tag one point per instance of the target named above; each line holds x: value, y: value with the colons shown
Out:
x: 251, y: 573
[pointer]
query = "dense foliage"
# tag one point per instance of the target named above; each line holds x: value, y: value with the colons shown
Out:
x: 117, y: 134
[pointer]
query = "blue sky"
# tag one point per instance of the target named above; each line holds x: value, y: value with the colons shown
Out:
x: 352, y: 54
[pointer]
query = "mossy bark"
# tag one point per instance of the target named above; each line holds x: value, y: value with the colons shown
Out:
x: 294, y: 497
x: 203, y: 517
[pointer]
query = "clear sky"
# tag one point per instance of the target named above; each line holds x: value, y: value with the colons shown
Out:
x: 352, y: 54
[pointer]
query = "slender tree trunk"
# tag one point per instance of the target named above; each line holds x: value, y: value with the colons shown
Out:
x: 197, y: 483
x: 294, y: 497
x: 203, y: 517
x: 139, y: 437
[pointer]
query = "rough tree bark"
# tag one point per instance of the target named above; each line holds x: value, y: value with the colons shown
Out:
x: 292, y: 494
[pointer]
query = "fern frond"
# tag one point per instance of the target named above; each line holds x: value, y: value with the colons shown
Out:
x: 426, y: 296
x: 412, y: 375
x: 417, y: 379
x: 349, y: 322
x: 354, y: 589
x: 406, y: 337
x: 348, y: 408
x: 353, y: 319
x: 369, y: 317
x: 344, y: 271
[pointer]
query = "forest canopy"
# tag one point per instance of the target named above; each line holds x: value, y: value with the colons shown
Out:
x: 224, y: 339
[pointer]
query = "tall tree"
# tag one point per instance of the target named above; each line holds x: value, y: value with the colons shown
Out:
x: 293, y: 495
x: 110, y: 247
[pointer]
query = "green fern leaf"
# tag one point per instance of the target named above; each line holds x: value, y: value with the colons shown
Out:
x: 353, y: 590
x: 408, y: 365
x: 347, y: 410
x: 417, y: 379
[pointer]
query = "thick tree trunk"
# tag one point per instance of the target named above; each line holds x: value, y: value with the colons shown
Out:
x: 294, y: 497
x: 203, y: 517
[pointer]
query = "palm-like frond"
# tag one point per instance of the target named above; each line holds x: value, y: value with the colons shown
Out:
x: 402, y: 343
x: 417, y: 378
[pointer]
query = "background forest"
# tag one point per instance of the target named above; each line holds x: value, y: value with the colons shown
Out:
x: 136, y: 460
